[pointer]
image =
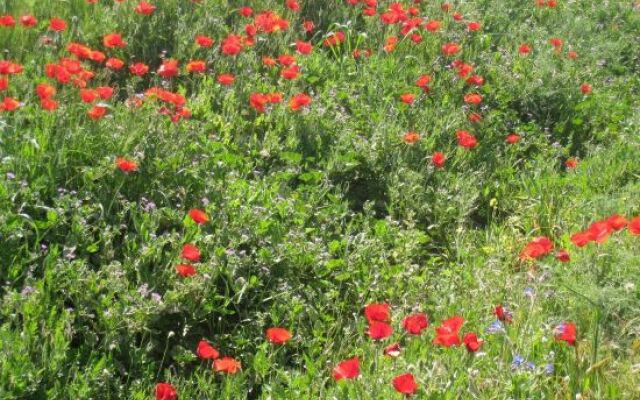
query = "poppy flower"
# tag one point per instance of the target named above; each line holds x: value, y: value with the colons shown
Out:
x: 105, y: 92
x: 308, y: 26
x: 634, y: 226
x: 438, y: 159
x: 524, y: 49
x: 227, y: 365
x: 503, y: 313
x: 585, y: 88
x: 258, y: 101
x: 566, y: 332
x: 473, y: 98
x: 139, y: 69
x: 245, y: 11
x: 165, y: 391
x: 433, y: 26
x: 379, y: 330
x: 291, y: 72
x: 405, y: 384
x: 28, y: 21
x: 44, y: 91
x: 4, y: 83
x: 7, y: 21
x: 196, y: 66
x: 204, y: 41
x: 347, y: 369
x: 126, y: 165
x: 292, y: 5
x: 449, y: 49
x: 581, y: 239
x: 48, y: 104
x: 144, y: 8
x: 185, y: 270
x: 377, y: 312
x: 513, y: 138
x: 334, y: 39
x: 471, y: 342
x: 298, y: 101
x: 231, y: 45
x: 88, y: 95
x: 198, y: 216
x: 113, y: 40
x: 168, y: 69
x: 57, y: 24
x: 278, y: 335
x: 97, y: 112
x: 407, y: 98
x: 392, y: 350
x: 538, y: 247
x: 114, y: 64
x: 556, y: 42
x: 303, y: 48
x: 190, y: 252
x: 475, y: 80
x: 447, y: 332
x: 571, y: 163
x: 572, y: 55
x: 563, y: 256
x: 473, y: 26
x: 617, y: 222
x: 466, y: 139
x: 416, y: 323
x: 206, y: 352
x: 226, y: 79
x: 423, y: 81
x: 411, y: 137
x: 600, y: 231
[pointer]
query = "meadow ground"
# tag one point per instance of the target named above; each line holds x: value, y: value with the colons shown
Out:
x: 319, y: 199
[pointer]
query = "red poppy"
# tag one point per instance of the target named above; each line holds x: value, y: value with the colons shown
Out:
x: 198, y: 216
x: 304, y: 48
x: 379, y: 330
x: 4, y: 83
x: 392, y: 350
x: 139, y: 69
x: 447, y: 332
x: 204, y: 41
x: 278, y: 335
x: 438, y: 159
x: 88, y: 95
x: 196, y: 66
x: 563, y: 256
x: 113, y: 40
x: 377, y: 312
x: 226, y: 79
x: 168, y: 69
x: 571, y: 163
x: 145, y: 8
x: 165, y: 391
x: 44, y: 90
x: 231, y: 45
x: 617, y: 222
x: 600, y: 231
x: 585, y: 88
x: 433, y: 26
x: 416, y: 323
x: 405, y: 384
x: 185, y: 270
x: 466, y: 139
x: 190, y: 252
x: 538, y: 247
x: 566, y: 332
x: 28, y: 21
x: 97, y: 112
x: 207, y: 352
x: 524, y: 48
x: 634, y: 226
x: 292, y: 5
x: 407, y: 98
x: 298, y: 101
x: 473, y: 26
x: 347, y: 369
x: 258, y: 101
x: 556, y: 42
x: 513, y: 138
x: 411, y: 137
x: 449, y: 49
x: 581, y: 239
x: 572, y: 54
x: 114, y: 63
x: 57, y: 24
x: 7, y: 21
x: 503, y: 314
x: 227, y: 365
x: 472, y: 343
x: 473, y: 98
x: 126, y: 165
x: 48, y: 104
x: 291, y: 72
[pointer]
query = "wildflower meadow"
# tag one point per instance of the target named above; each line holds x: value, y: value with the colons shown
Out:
x: 319, y: 199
